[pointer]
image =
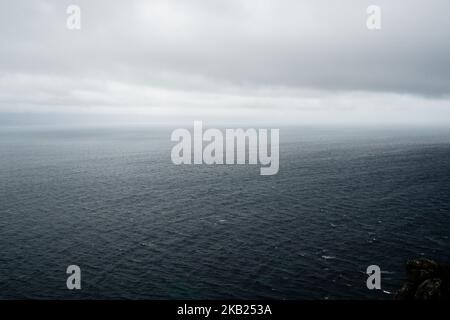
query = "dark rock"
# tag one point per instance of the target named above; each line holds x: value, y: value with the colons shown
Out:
x: 427, y: 280
x: 430, y: 289
x: 406, y: 292
x: 419, y: 270
x: 444, y: 272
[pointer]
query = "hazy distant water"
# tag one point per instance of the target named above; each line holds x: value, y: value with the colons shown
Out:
x: 111, y: 201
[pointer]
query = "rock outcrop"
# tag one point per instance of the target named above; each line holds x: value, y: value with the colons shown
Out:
x: 426, y: 280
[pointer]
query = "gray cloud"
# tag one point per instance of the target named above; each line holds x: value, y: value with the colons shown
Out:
x: 182, y: 56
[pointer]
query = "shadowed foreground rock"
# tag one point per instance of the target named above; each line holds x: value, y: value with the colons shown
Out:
x: 427, y: 280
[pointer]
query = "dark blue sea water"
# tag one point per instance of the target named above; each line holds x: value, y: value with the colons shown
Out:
x: 111, y: 201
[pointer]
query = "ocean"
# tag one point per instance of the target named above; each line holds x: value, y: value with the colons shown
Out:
x: 110, y: 201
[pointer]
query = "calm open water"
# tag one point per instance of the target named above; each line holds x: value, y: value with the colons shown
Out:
x: 111, y: 201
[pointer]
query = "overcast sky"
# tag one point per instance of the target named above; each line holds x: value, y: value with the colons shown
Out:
x: 291, y: 61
